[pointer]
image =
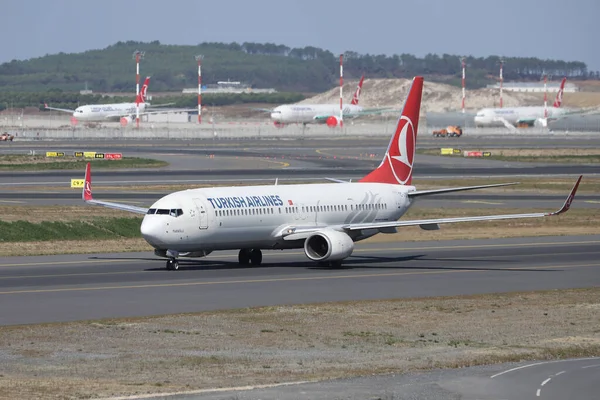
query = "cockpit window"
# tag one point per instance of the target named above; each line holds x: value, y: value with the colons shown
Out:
x: 174, y: 212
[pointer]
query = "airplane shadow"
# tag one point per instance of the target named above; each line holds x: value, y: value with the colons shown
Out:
x: 353, y: 262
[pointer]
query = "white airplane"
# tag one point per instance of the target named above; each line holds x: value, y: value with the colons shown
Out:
x: 123, y: 112
x: 323, y: 219
x: 530, y: 116
x: 321, y: 113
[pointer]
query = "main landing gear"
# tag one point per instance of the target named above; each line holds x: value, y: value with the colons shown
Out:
x: 172, y: 264
x: 250, y: 256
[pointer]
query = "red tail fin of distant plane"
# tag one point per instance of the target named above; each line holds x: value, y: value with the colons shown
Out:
x: 356, y: 96
x: 143, y: 91
x: 559, y: 95
x: 397, y: 164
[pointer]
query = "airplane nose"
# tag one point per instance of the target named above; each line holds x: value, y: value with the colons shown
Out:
x: 152, y: 231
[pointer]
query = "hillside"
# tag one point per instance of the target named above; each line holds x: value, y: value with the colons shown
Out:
x: 268, y: 65
x: 439, y: 97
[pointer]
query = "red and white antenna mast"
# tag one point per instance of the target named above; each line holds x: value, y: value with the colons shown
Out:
x: 501, y: 81
x: 199, y: 59
x: 464, y: 67
x: 138, y: 55
x: 341, y: 90
x: 545, y: 96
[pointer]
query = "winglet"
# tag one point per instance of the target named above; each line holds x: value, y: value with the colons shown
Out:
x: 567, y: 204
x: 87, y: 185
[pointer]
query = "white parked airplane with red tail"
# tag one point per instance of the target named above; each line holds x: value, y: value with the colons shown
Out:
x: 511, y: 117
x: 323, y: 219
x: 321, y: 113
x: 123, y: 112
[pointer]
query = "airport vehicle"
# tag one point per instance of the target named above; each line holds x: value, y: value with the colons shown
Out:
x: 511, y: 117
x: 123, y: 112
x: 321, y: 113
x: 325, y: 220
x: 449, y: 131
x: 6, y: 137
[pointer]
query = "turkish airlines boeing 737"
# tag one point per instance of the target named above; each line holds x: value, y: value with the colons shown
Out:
x: 124, y: 112
x: 514, y: 116
x: 321, y: 113
x: 323, y: 219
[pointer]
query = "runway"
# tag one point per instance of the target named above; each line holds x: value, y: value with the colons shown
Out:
x: 82, y: 287
x: 545, y: 380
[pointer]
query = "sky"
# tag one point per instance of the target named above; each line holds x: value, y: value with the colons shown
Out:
x: 553, y: 29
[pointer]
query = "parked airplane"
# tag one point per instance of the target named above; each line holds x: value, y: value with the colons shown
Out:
x: 321, y: 113
x: 323, y: 219
x: 530, y: 116
x: 124, y: 112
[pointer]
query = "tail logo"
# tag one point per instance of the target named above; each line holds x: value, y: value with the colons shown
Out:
x: 143, y: 92
x: 402, y: 162
x: 88, y: 189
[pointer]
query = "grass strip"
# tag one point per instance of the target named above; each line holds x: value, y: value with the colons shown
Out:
x: 40, y: 163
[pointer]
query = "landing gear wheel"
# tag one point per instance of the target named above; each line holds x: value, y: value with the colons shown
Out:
x: 244, y: 257
x: 172, y: 264
x: 255, y: 257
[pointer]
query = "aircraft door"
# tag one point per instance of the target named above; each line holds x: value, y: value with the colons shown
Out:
x: 202, y: 214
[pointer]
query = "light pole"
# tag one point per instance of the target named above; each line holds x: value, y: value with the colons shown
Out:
x: 501, y: 81
x: 137, y: 55
x: 463, y: 62
x: 199, y: 60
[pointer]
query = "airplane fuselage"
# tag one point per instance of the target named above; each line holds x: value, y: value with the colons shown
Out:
x: 306, y: 113
x: 210, y: 219
x: 106, y: 112
x: 489, y: 117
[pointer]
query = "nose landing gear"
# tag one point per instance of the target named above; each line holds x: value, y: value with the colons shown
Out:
x: 172, y: 264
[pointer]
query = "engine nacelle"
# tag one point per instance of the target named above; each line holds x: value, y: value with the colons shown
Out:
x: 328, y: 245
x: 541, y: 122
x: 127, y: 120
x: 334, y: 121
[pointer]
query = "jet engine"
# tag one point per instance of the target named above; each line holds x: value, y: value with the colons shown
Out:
x: 329, y: 245
x: 127, y: 120
x: 334, y: 121
x: 541, y: 122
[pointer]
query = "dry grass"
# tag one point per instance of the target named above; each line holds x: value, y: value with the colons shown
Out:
x: 292, y: 343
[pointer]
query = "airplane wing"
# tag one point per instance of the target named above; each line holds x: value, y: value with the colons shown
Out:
x: 88, y: 198
x: 58, y: 109
x: 293, y: 233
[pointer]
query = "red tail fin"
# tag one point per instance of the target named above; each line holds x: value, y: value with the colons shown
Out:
x: 143, y: 91
x: 559, y: 95
x: 356, y: 96
x: 397, y: 164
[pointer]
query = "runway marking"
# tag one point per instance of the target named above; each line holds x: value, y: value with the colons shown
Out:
x: 591, y: 366
x: 538, y: 392
x: 482, y: 202
x: 559, y: 373
x: 542, y: 363
x: 214, y: 256
x: 592, y: 201
x: 12, y: 201
x: 268, y: 280
x: 546, y: 381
